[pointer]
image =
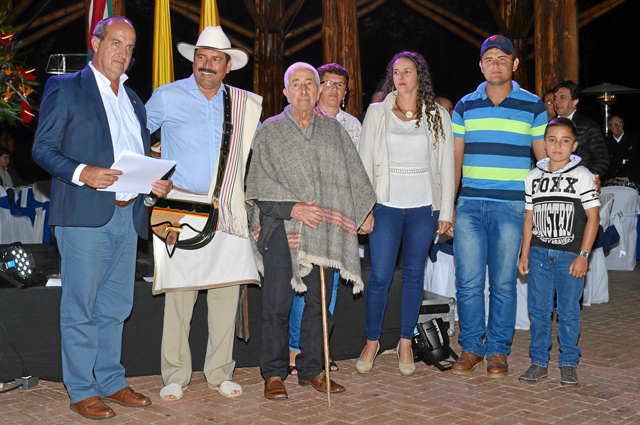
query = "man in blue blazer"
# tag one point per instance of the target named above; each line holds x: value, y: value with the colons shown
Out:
x: 86, y: 120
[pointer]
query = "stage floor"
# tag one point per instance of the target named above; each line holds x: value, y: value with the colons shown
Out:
x: 609, y: 390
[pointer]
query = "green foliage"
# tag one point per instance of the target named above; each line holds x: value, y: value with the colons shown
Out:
x: 16, y: 82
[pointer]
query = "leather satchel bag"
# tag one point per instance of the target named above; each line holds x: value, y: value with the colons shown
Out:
x: 168, y: 212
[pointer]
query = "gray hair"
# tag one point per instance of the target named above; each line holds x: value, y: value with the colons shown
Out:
x: 298, y: 65
x: 100, y: 29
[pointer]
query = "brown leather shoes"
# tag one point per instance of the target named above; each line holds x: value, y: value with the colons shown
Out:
x: 274, y: 389
x: 320, y: 384
x: 466, y: 363
x: 129, y: 398
x: 497, y: 366
x: 92, y: 408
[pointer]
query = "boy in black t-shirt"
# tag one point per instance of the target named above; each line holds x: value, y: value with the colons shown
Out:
x: 560, y: 226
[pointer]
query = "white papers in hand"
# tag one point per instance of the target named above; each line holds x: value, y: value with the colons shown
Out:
x: 138, y: 171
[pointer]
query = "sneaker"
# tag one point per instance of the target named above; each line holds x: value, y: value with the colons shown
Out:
x: 568, y: 376
x: 533, y: 374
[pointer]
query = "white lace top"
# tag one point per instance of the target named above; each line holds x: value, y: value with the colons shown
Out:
x: 409, y: 166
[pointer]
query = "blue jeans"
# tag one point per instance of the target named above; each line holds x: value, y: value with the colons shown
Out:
x: 297, y: 307
x: 415, y: 227
x: 549, y: 275
x: 98, y: 268
x: 487, y: 233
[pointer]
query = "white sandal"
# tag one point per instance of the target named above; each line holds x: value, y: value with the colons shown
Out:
x: 171, y: 390
x: 226, y: 388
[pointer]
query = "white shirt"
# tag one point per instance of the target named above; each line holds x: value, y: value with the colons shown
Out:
x: 352, y: 125
x: 124, y: 125
x: 409, y: 185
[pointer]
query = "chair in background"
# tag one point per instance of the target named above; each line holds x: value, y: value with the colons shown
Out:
x: 596, y: 282
x: 13, y: 228
x: 624, y: 215
x: 41, y: 229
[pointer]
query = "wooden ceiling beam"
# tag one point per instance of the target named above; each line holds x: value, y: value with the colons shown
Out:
x: 195, y: 10
x: 596, y: 11
x: 303, y: 28
x: 185, y: 12
x: 304, y: 43
x: 443, y: 22
x: 495, y: 12
x: 364, y: 10
x: 17, y: 10
x: 455, y: 18
x: 52, y: 16
x: 51, y: 28
x: 257, y: 19
x: 288, y: 15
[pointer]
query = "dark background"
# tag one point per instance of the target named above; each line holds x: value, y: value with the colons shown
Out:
x: 608, y: 51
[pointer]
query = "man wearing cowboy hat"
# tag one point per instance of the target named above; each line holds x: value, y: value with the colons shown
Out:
x: 191, y: 115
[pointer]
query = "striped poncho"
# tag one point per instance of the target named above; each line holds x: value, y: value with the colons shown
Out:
x: 288, y: 167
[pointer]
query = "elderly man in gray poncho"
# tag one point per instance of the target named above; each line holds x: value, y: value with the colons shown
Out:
x: 308, y: 196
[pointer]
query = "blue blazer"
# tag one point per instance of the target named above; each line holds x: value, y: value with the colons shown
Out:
x: 73, y: 130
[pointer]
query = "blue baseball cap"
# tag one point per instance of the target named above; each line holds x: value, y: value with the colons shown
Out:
x: 498, y: 42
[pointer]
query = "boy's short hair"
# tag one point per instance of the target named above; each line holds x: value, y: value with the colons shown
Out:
x: 562, y: 122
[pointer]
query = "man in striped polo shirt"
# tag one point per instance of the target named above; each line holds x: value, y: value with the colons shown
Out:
x: 494, y: 128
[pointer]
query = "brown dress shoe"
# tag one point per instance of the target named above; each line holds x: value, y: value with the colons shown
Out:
x: 274, y: 389
x: 466, y: 363
x: 129, y: 398
x: 320, y: 384
x: 92, y: 408
x: 497, y: 366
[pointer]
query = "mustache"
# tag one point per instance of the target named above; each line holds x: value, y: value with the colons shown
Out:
x: 207, y: 70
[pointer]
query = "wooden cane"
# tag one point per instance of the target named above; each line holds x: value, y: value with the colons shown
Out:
x: 325, y: 334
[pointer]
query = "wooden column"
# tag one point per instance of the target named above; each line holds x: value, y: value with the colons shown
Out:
x: 556, y: 43
x: 514, y: 24
x: 268, y: 74
x: 340, y: 45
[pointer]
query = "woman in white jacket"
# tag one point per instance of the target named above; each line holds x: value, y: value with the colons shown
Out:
x: 406, y: 146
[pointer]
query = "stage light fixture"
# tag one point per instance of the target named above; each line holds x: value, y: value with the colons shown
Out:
x: 16, y: 264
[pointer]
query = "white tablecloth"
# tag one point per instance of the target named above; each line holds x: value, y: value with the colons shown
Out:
x: 13, y: 228
x: 624, y: 215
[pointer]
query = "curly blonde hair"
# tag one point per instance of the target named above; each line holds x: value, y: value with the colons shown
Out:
x: 425, y: 93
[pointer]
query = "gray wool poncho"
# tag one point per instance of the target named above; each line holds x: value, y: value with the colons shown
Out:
x: 286, y: 167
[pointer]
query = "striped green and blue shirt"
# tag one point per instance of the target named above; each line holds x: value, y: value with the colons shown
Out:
x: 497, y: 142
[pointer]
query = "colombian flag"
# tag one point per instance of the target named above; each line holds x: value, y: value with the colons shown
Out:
x: 98, y: 10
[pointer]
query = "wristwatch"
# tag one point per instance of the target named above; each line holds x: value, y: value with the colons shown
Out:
x: 584, y: 254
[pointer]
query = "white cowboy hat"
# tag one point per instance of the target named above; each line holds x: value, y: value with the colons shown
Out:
x: 214, y: 38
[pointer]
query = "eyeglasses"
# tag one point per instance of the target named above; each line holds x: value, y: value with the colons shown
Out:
x: 330, y: 83
x: 616, y: 124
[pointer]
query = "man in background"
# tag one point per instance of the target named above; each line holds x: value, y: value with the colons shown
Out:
x: 591, y: 145
x: 445, y: 103
x: 623, y: 151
